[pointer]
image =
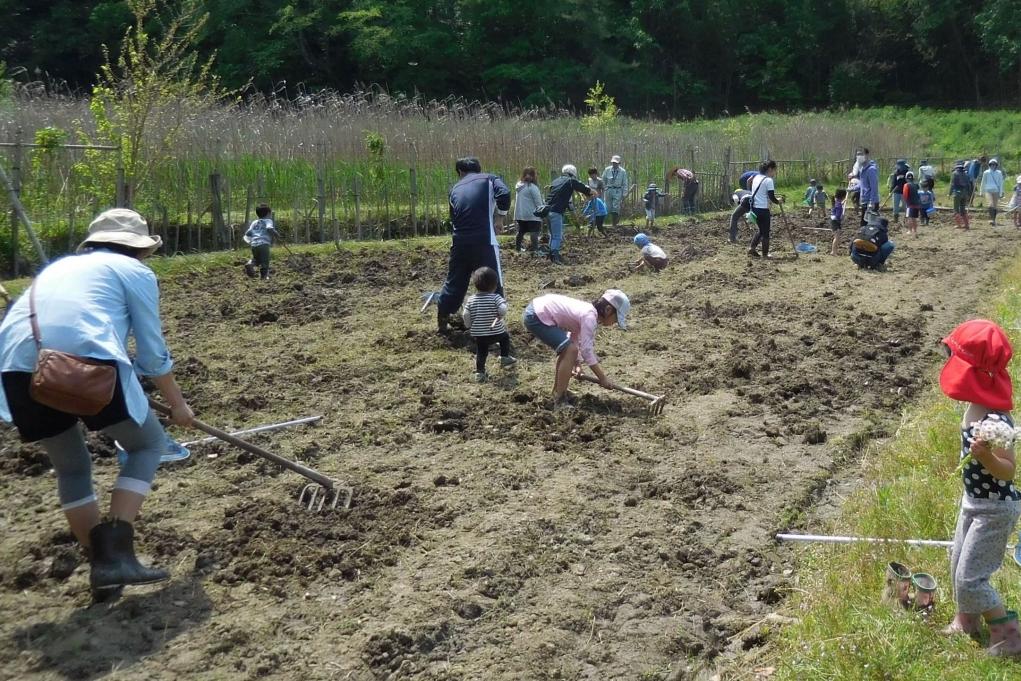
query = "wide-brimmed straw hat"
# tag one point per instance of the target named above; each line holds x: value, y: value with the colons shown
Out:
x: 977, y: 368
x: 122, y: 226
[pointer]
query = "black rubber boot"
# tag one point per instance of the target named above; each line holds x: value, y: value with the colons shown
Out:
x: 113, y: 558
x: 442, y: 323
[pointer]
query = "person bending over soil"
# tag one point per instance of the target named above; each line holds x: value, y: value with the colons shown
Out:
x: 552, y: 317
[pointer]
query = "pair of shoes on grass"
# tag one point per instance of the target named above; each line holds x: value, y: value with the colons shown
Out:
x: 898, y: 586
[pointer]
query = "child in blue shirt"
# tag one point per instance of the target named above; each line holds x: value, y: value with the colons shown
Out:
x: 809, y: 199
x: 260, y: 236
x: 927, y: 200
x: 837, y: 218
x: 595, y: 211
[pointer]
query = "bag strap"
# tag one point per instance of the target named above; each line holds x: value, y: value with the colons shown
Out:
x: 751, y: 199
x: 36, y: 334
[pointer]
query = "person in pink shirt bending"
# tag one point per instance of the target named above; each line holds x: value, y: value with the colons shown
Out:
x: 568, y: 325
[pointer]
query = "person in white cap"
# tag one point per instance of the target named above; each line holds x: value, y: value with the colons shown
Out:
x: 617, y: 185
x: 992, y: 187
x: 568, y: 325
x: 88, y: 305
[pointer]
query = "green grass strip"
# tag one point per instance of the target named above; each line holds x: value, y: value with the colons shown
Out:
x: 908, y: 490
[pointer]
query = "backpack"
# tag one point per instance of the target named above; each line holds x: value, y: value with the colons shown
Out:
x: 870, y: 238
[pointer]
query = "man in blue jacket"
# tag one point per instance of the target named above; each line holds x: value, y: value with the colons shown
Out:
x: 474, y: 200
x: 869, y: 185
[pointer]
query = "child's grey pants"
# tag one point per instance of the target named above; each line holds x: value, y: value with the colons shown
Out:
x: 983, y: 528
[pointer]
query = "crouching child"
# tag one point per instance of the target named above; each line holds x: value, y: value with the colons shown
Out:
x: 568, y: 326
x: 485, y: 316
x: 652, y: 255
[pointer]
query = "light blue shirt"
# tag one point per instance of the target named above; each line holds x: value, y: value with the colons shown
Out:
x: 259, y: 232
x: 88, y: 305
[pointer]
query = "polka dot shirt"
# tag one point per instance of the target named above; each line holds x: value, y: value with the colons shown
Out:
x: 979, y: 483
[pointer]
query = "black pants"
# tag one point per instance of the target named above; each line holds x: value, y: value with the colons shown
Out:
x: 482, y: 344
x: 530, y: 227
x: 465, y: 259
x: 260, y: 257
x: 762, y: 219
x: 37, y: 421
x: 597, y: 223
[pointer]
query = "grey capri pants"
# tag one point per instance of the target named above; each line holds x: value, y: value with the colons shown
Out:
x: 983, y: 528
x: 70, y: 457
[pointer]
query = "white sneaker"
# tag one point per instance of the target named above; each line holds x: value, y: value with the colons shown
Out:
x: 508, y: 361
x: 481, y: 376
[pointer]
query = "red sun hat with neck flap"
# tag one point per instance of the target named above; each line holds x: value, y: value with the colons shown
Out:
x: 977, y: 368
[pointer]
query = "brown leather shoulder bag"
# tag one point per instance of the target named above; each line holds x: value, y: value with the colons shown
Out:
x: 65, y: 382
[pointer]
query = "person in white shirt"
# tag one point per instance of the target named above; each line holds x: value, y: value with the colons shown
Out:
x: 992, y: 186
x: 763, y: 194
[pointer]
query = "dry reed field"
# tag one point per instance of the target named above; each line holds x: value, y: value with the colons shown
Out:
x: 370, y: 166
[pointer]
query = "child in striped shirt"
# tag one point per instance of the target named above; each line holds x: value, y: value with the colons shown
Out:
x: 484, y: 314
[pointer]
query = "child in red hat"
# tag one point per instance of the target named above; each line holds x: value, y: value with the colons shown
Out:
x: 976, y: 373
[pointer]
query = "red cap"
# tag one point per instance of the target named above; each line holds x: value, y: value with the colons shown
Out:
x: 977, y: 368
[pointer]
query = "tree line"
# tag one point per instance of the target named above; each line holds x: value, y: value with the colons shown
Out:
x: 661, y: 58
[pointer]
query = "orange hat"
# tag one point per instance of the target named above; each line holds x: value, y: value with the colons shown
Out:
x: 977, y: 368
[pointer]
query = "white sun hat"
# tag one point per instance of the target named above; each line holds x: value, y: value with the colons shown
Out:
x: 122, y: 226
x: 620, y: 303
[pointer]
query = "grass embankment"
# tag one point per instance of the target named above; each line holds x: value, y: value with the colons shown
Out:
x: 909, y: 490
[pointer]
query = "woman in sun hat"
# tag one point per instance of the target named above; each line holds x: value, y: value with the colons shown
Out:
x: 976, y: 373
x: 87, y: 305
x: 568, y: 325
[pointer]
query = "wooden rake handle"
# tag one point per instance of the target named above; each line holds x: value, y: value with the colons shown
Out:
x: 623, y: 389
x: 304, y: 471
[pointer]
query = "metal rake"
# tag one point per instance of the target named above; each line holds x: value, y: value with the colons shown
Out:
x: 656, y: 402
x: 321, y: 493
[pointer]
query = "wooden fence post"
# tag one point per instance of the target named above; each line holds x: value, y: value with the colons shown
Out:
x: 358, y: 206
x: 216, y: 208
x: 248, y: 207
x: 414, y: 202
x: 16, y: 185
x: 321, y: 198
x: 122, y: 189
x: 726, y: 183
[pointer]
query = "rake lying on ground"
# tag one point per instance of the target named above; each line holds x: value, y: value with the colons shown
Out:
x: 656, y: 402
x: 321, y: 493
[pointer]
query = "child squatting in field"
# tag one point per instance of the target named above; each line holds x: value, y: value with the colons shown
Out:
x: 484, y: 314
x: 259, y: 236
x: 568, y: 325
x: 976, y: 373
x: 652, y: 255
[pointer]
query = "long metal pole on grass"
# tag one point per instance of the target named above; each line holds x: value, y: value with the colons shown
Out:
x: 23, y: 216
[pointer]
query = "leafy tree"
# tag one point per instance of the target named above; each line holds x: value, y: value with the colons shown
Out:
x: 143, y: 98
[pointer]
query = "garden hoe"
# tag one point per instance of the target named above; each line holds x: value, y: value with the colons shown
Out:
x: 790, y: 232
x: 656, y: 402
x: 321, y: 493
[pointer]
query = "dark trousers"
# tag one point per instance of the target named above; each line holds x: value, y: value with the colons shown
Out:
x: 597, y: 223
x: 762, y: 218
x: 531, y: 228
x: 465, y: 259
x: 260, y: 257
x: 735, y: 217
x: 689, y: 204
x: 482, y: 344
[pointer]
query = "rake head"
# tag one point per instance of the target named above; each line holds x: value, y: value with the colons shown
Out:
x: 315, y: 497
x: 657, y: 405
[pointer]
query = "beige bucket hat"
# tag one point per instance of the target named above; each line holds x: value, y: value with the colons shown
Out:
x: 122, y: 226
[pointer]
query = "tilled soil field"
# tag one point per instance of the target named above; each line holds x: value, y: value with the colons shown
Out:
x: 490, y: 538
